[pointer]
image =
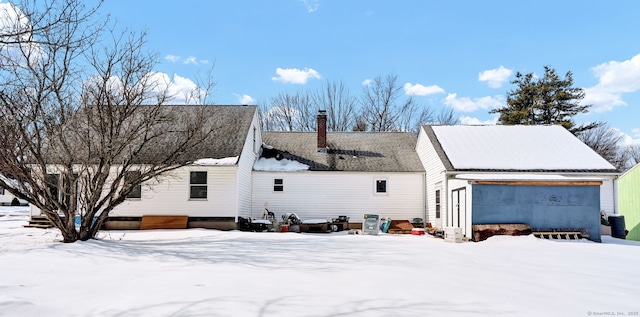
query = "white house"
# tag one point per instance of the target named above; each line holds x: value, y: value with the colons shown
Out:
x: 540, y: 175
x: 6, y: 198
x: 214, y: 190
x: 325, y: 175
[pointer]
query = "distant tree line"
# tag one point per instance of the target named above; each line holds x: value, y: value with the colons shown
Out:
x: 380, y: 107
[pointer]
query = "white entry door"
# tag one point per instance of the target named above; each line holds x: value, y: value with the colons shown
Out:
x: 459, y: 209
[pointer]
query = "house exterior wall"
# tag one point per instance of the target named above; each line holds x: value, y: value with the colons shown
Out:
x: 250, y: 152
x: 327, y: 195
x: 539, y: 206
x: 608, y: 196
x: 435, y: 180
x: 6, y: 197
x: 629, y: 201
x: 171, y: 195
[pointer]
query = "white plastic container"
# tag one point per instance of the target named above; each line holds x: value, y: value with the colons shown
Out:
x: 453, y: 234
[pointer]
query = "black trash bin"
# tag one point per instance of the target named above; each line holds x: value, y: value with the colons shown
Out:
x: 618, y: 229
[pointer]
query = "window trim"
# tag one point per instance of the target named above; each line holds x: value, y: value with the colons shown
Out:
x: 278, y: 185
x: 438, y: 203
x: 376, y: 182
x: 138, y: 187
x: 193, y: 185
x: 51, y: 187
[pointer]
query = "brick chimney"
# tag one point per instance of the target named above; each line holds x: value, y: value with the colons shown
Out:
x: 322, y: 131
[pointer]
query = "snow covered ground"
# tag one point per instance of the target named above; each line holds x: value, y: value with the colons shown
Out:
x: 214, y: 273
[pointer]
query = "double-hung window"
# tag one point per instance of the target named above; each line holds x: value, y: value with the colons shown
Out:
x: 198, y: 185
x: 132, y: 176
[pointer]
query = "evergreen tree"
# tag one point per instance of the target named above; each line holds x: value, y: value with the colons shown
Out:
x: 548, y: 100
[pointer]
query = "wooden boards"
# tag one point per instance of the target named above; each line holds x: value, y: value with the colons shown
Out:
x: 164, y: 222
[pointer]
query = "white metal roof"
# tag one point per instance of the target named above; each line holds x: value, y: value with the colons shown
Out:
x: 519, y: 147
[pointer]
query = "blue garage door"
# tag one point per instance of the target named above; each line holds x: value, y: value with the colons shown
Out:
x: 541, y: 207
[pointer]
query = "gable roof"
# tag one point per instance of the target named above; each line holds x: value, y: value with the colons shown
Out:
x: 548, y: 148
x: 229, y: 126
x: 347, y: 151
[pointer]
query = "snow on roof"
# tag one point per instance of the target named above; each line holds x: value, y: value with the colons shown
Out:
x: 221, y: 161
x: 524, y: 177
x: 272, y: 164
x: 533, y: 147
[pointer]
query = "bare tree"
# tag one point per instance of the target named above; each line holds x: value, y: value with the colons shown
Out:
x: 606, y: 142
x: 290, y: 112
x: 205, y: 84
x: 446, y: 116
x: 340, y: 105
x: 82, y: 120
x: 633, y: 154
x: 383, y: 109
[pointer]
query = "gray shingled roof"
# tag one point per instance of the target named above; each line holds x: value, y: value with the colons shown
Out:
x: 234, y: 123
x: 348, y: 151
x: 230, y: 126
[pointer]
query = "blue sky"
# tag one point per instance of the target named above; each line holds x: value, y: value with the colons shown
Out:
x: 459, y: 54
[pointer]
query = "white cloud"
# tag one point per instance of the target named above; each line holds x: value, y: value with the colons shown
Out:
x: 172, y: 58
x: 475, y: 121
x: 191, y: 60
x: 634, y: 138
x: 181, y: 90
x: 312, y: 5
x: 420, y: 90
x: 15, y: 30
x: 495, y: 77
x: 466, y: 104
x: 245, y: 100
x: 295, y: 76
x: 615, y: 79
x: 366, y: 82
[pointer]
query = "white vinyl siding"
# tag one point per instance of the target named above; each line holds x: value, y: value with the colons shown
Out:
x: 608, y: 197
x: 245, y: 167
x: 171, y: 195
x: 327, y: 195
x: 435, y: 175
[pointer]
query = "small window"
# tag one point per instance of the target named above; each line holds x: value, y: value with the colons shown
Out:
x: 53, y: 185
x: 381, y: 186
x: 278, y: 185
x: 133, y: 176
x: 198, y: 185
x: 438, y: 204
